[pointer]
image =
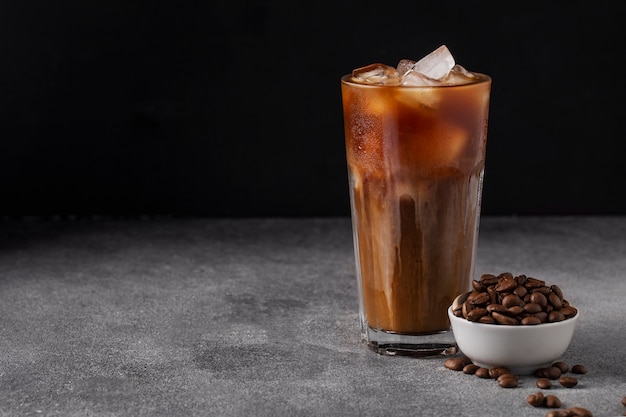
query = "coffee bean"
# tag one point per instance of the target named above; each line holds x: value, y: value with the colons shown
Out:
x: 506, y: 284
x: 476, y: 314
x: 457, y: 363
x: 511, y: 300
x: 498, y: 308
x: 494, y: 298
x: 530, y: 321
x: 552, y: 401
x: 478, y: 286
x: 555, y: 316
x: 472, y: 295
x: 520, y: 291
x: 502, y: 319
x: 470, y: 369
x: 579, y: 369
x: 624, y: 401
x: 515, y: 311
x: 488, y: 279
x: 568, y: 381
x: 497, y: 371
x: 579, y: 412
x: 559, y: 413
x: 532, y: 308
x: 534, y: 283
x: 543, y: 290
x: 555, y: 301
x: 507, y: 381
x: 536, y: 400
x: 563, y: 366
x: 539, y: 298
x: 505, y: 275
x: 544, y: 383
x: 487, y: 320
x: 568, y: 311
x: 480, y: 299
x: 482, y: 373
x: 556, y: 290
x: 467, y: 307
x: 551, y: 372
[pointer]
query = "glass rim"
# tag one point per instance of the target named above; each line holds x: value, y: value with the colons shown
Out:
x: 483, y: 78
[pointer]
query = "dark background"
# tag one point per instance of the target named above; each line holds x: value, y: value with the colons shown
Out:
x: 233, y: 108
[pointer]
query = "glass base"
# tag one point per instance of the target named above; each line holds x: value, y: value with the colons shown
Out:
x: 420, y: 346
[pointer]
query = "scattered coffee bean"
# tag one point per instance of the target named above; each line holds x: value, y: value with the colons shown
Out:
x: 624, y: 401
x: 563, y: 366
x: 579, y: 412
x: 514, y: 300
x: 544, y: 383
x: 552, y: 401
x: 579, y: 369
x: 558, y: 413
x: 568, y: 381
x: 458, y: 363
x: 551, y: 372
x: 470, y: 369
x: 482, y: 373
x: 508, y: 381
x: 497, y: 371
x: 536, y: 400
x: 570, y: 412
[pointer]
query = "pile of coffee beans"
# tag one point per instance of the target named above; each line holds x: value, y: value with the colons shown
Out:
x: 514, y: 300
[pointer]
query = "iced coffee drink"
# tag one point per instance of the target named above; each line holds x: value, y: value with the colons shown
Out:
x: 415, y: 144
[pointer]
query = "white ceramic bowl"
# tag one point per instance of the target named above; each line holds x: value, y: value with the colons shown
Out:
x: 522, y: 349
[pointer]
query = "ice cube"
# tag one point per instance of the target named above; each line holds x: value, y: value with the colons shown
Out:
x: 458, y: 69
x: 436, y: 65
x: 379, y: 74
x: 404, y: 66
x: 416, y: 79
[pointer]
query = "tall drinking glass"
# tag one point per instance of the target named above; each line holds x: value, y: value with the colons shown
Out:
x: 416, y: 158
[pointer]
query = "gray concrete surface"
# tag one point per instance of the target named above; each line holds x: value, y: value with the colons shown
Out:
x: 258, y: 317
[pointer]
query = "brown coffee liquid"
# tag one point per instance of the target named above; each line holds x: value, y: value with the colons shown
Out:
x: 415, y: 159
